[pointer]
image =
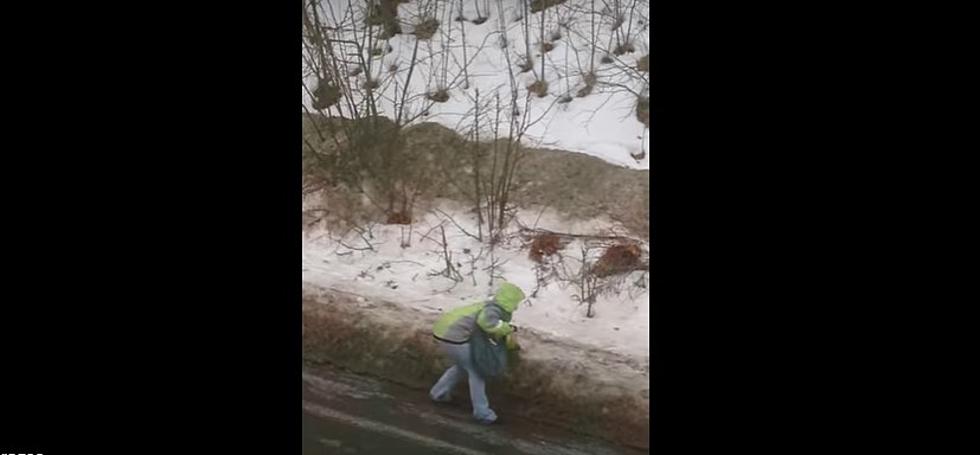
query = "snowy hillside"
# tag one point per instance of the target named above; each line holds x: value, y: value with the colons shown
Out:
x: 467, y: 68
x: 433, y: 265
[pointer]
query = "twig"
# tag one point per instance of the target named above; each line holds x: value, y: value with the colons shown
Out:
x: 538, y: 231
x: 450, y: 270
x: 426, y: 235
x: 407, y: 262
x: 453, y: 220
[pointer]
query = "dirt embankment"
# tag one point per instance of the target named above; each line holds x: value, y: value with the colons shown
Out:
x: 575, y: 185
x: 586, y: 390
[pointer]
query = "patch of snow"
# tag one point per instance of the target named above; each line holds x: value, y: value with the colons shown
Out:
x: 409, y: 276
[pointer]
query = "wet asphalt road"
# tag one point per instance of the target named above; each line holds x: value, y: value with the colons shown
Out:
x: 345, y: 413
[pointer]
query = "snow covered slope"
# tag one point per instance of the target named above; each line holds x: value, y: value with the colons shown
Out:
x: 465, y: 60
x: 375, y: 264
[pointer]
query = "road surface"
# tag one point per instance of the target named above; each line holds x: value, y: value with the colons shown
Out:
x: 345, y: 413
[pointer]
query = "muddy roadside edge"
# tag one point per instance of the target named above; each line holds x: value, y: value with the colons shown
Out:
x: 584, y: 390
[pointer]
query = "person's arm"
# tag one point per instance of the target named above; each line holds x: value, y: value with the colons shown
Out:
x: 491, y: 322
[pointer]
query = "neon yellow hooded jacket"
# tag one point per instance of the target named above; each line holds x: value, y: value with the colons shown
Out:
x: 492, y: 317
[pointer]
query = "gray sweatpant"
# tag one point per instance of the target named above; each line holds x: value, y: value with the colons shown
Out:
x: 463, y: 364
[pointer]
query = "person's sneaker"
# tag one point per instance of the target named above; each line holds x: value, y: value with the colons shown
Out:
x: 488, y: 419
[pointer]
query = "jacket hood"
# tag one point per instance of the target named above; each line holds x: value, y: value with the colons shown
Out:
x: 509, y: 297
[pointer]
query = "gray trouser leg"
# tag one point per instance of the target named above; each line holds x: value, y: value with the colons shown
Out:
x: 441, y: 391
x: 460, y: 355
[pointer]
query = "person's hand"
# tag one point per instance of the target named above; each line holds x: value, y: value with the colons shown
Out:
x: 512, y: 343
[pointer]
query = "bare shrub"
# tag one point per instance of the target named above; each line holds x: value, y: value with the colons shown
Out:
x: 539, y: 88
x: 352, y: 144
x: 643, y: 64
x: 526, y: 65
x: 326, y: 95
x: 643, y: 110
x: 618, y: 21
x: 623, y: 48
x: 439, y: 95
x: 384, y: 13
x: 390, y: 30
x: 590, y: 80
x: 427, y: 28
x: 538, y: 5
x: 586, y: 283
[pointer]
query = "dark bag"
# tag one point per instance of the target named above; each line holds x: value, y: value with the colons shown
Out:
x: 489, y: 358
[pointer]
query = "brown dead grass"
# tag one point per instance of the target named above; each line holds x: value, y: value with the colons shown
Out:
x: 621, y: 258
x: 398, y: 218
x: 340, y: 210
x: 544, y: 245
x: 576, y: 185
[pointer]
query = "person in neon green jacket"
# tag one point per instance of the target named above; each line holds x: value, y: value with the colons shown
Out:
x: 454, y: 330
